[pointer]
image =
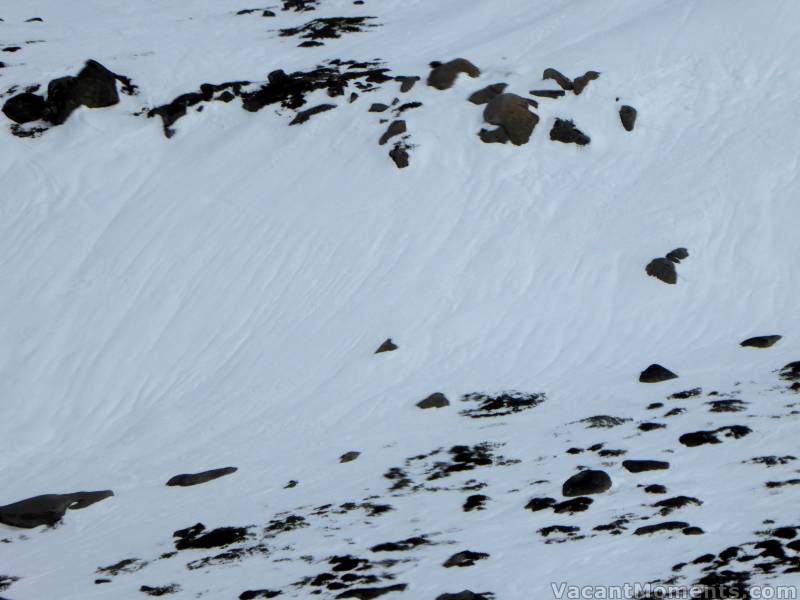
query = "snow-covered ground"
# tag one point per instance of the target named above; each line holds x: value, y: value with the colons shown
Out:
x: 216, y: 298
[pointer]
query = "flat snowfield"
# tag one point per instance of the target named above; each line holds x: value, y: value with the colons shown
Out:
x: 209, y: 291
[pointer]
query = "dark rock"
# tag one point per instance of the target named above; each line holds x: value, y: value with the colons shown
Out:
x: 12, y: 49
x: 725, y: 406
x: 692, y: 531
x: 699, y: 438
x: 196, y: 537
x: 686, y: 394
x: 465, y: 558
x: 484, y: 95
x: 663, y: 269
x: 254, y: 594
x: 370, y: 593
x: 465, y: 595
x: 402, y: 545
x: 501, y: 405
x: 580, y: 83
x: 655, y: 405
x: 586, y: 482
x: 127, y: 565
x: 94, y: 87
x: 305, y: 115
x: 406, y: 83
x: 562, y: 80
x: 648, y: 426
x: 669, y: 504
x: 327, y: 28
x: 387, y: 346
x: 395, y: 128
x: 787, y: 533
x: 656, y: 488
x: 349, y: 456
x: 564, y: 131
x: 24, y: 108
x: 537, y: 504
x: 497, y: 135
x: 189, y: 479
x: 655, y: 374
x: 47, y: 509
x: 378, y: 107
x: 603, y: 422
x: 160, y: 591
x: 547, y: 93
x: 627, y: 115
x: 573, y: 505
x: 435, y: 400
x: 443, y: 75
x: 475, y: 502
x: 677, y: 255
x: 640, y: 466
x: 666, y: 526
x: 761, y: 341
x: 34, y: 20
x: 510, y: 112
x: 399, y: 154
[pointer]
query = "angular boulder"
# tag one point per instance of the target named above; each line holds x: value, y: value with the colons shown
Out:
x: 483, y: 95
x: 662, y: 269
x: 443, y: 75
x: 761, y: 341
x: 94, y: 87
x: 655, y: 374
x: 640, y: 466
x: 47, y: 509
x: 510, y: 112
x: 435, y: 400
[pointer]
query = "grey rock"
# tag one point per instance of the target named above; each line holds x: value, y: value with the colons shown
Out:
x: 443, y: 75
x: 510, y: 112
x: 586, y: 482
x: 47, y: 509
x: 435, y: 400
x: 189, y: 479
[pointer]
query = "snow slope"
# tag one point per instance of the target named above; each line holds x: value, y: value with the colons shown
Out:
x: 213, y: 299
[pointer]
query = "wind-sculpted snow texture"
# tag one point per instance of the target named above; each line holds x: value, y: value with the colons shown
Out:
x: 378, y: 345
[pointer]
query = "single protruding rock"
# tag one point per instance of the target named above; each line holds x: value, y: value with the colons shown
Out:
x: 656, y: 374
x: 443, y: 75
x: 387, y: 346
x: 94, y: 87
x: 510, y: 112
x: 395, y: 128
x: 564, y: 131
x: 586, y: 482
x: 483, y: 95
x: 349, y: 456
x: 465, y: 595
x: 48, y: 509
x: 435, y: 400
x: 189, y: 479
x: 640, y: 466
x: 466, y: 558
x: 677, y: 255
x: 627, y: 115
x: 562, y: 80
x: 406, y: 82
x: 579, y: 83
x: 761, y: 341
x: 497, y: 135
x: 24, y: 108
x: 399, y: 154
x: 378, y: 107
x: 547, y: 93
x: 663, y: 269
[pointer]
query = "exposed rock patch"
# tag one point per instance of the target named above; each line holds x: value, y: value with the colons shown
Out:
x: 510, y: 112
x: 655, y: 373
x: 564, y: 131
x: 48, y: 509
x: 443, y: 75
x: 640, y: 466
x: 586, y: 483
x: 761, y: 341
x: 501, y: 405
x: 435, y: 400
x: 327, y: 29
x: 190, y: 479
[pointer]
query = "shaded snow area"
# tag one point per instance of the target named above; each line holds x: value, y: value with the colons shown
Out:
x: 426, y: 300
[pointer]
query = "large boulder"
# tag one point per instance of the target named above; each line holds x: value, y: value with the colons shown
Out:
x: 586, y: 482
x: 761, y: 341
x: 510, y: 112
x: 656, y: 374
x: 443, y: 75
x: 47, y: 509
x: 663, y: 269
x: 25, y: 107
x: 94, y: 87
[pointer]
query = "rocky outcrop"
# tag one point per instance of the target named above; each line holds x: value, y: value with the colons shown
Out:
x: 443, y: 75
x: 189, y: 479
x: 48, y: 509
x: 510, y: 112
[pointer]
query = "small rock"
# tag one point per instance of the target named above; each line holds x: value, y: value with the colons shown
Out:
x: 190, y: 479
x: 565, y: 131
x: 395, y: 128
x: 639, y: 466
x: 666, y: 526
x: 677, y: 255
x: 627, y: 115
x: 24, y: 108
x: 497, y: 135
x: 483, y: 95
x: 580, y: 83
x: 443, y: 75
x: 761, y: 341
x: 547, y: 93
x: 349, y: 456
x: 435, y: 400
x: 370, y: 593
x: 406, y: 83
x: 387, y: 346
x: 378, y: 107
x: 399, y: 154
x: 465, y: 595
x: 656, y: 374
x: 466, y: 558
x: 94, y: 87
x: 656, y: 488
x: 562, y: 80
x: 586, y: 482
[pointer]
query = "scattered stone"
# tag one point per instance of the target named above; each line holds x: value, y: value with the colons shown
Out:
x: 378, y: 107
x: 475, y: 502
x: 190, y: 479
x: 195, y: 537
x: 128, y: 565
x: 562, y: 80
x: 761, y: 341
x: 160, y: 591
x: 465, y: 558
x: 254, y: 594
x: 603, y: 421
x: 627, y: 115
x: 677, y: 255
x: 699, y: 438
x: 370, y: 593
x: 537, y: 504
x: 656, y: 488
x: 435, y: 400
x: 305, y: 115
x: 399, y: 154
x: 670, y: 504
x: 574, y: 505
x: 395, y: 128
x: 94, y: 87
x: 501, y: 405
x: 655, y: 373
x: 443, y: 75
x: 663, y: 269
x: 484, y: 95
x: 465, y: 595
x: 547, y: 93
x: 387, y: 346
x: 48, y: 509
x: 327, y: 29
x: 648, y: 426
x: 497, y: 135
x: 564, y: 131
x: 402, y: 545
x: 640, y: 466
x: 579, y: 83
x: 25, y: 107
x: 406, y: 83
x: 349, y: 456
x: 686, y: 394
x: 586, y: 483
x: 510, y: 112
x: 666, y: 526
x: 726, y: 406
